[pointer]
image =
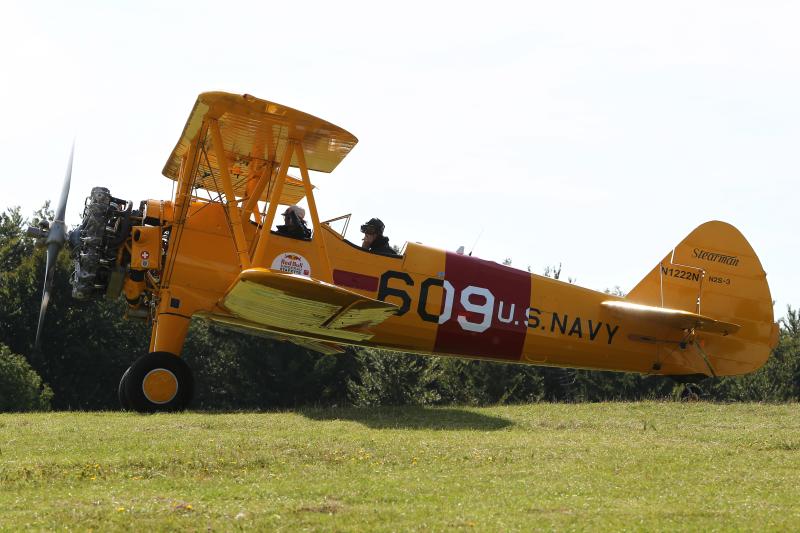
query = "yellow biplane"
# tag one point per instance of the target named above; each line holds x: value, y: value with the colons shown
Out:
x: 211, y: 252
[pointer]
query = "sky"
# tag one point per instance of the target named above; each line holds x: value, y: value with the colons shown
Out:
x: 596, y: 135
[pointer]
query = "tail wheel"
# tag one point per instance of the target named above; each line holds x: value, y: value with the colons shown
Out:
x: 159, y: 382
x: 692, y: 392
x: 123, y: 398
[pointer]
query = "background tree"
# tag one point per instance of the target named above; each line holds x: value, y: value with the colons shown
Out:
x: 21, y: 388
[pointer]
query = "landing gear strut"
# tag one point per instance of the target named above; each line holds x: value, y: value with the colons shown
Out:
x: 157, y: 382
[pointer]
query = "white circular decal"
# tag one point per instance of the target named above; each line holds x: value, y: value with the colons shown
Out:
x: 292, y: 263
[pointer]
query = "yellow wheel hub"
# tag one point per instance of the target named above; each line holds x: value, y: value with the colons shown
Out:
x: 160, y: 385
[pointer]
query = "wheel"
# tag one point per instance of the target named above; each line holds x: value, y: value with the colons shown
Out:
x: 123, y: 399
x: 159, y: 382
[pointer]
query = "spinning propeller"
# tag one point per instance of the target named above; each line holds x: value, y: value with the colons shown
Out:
x: 55, y: 237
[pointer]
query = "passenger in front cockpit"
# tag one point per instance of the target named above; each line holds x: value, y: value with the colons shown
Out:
x: 294, y: 224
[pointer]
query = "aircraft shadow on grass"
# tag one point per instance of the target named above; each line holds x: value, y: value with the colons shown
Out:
x: 446, y: 419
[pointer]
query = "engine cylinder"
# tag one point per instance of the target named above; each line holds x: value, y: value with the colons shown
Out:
x: 95, y: 243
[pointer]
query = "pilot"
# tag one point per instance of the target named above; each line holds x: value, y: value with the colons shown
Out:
x: 374, y: 240
x: 294, y: 224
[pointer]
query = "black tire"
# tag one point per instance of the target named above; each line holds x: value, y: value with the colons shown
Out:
x: 169, y: 386
x: 123, y: 398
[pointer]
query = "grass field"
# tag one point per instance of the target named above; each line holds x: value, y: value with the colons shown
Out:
x: 615, y: 466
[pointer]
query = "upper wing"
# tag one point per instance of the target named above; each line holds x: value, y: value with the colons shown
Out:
x: 673, y: 318
x: 254, y: 133
x: 299, y: 305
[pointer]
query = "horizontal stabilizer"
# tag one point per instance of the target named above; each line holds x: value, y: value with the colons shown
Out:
x: 304, y: 306
x: 673, y: 318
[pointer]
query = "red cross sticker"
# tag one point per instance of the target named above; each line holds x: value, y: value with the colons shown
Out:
x: 145, y: 255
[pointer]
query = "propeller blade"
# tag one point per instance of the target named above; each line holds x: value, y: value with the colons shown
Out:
x: 62, y: 202
x: 52, y: 255
x: 56, y: 237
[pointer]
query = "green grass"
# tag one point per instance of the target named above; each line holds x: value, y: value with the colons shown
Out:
x: 613, y: 466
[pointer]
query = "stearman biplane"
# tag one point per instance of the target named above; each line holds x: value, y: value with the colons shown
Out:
x: 211, y: 252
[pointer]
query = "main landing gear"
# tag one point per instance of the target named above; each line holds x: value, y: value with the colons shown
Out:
x: 156, y: 382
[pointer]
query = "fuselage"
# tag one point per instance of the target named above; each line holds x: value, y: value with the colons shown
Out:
x: 448, y: 304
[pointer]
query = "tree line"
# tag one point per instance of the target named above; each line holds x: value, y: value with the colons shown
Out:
x: 86, y: 346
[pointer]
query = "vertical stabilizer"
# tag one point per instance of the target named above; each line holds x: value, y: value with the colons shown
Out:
x: 715, y: 272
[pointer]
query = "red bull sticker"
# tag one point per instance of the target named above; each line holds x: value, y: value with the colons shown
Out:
x: 292, y: 263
